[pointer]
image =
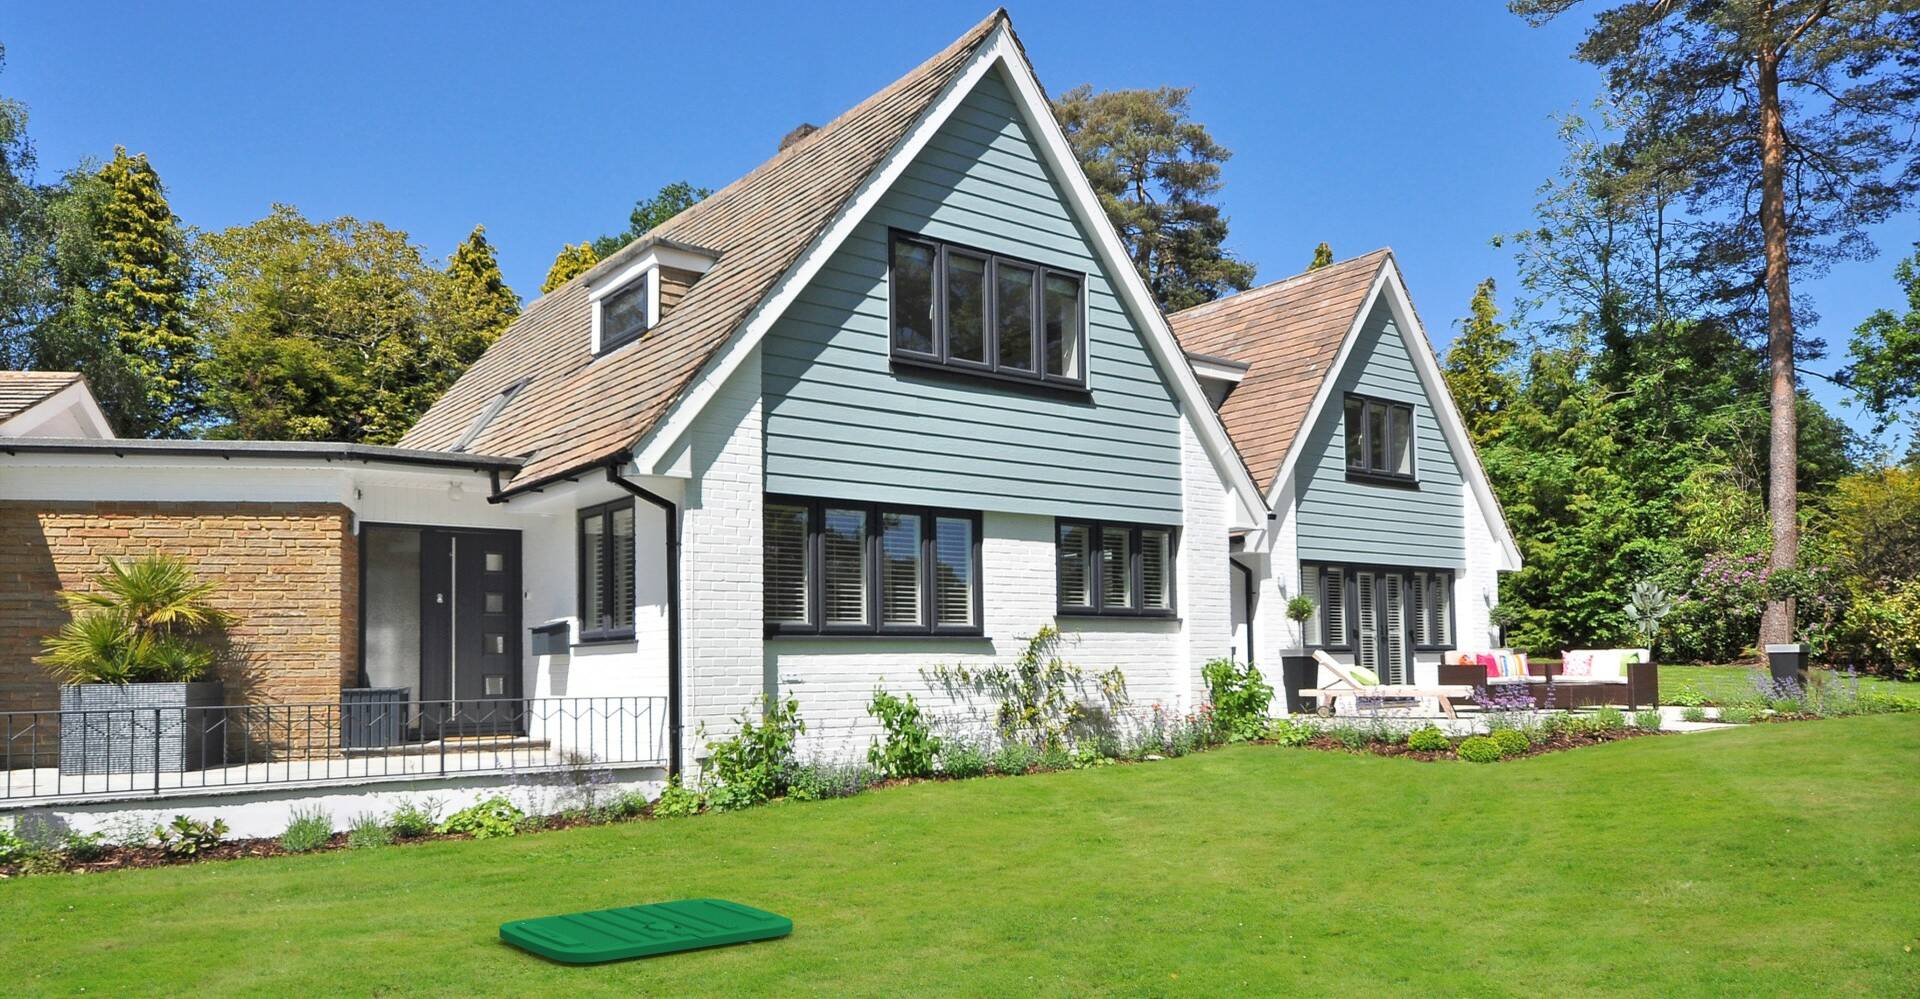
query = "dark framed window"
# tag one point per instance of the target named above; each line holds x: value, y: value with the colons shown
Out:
x: 835, y: 568
x: 1347, y: 607
x: 623, y: 314
x: 1380, y: 439
x: 606, y: 556
x: 1105, y: 568
x: 956, y: 307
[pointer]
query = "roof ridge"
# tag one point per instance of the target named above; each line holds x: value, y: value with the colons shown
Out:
x: 1260, y: 291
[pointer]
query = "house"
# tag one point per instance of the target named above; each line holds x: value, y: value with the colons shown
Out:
x: 894, y: 401
x: 1378, y: 509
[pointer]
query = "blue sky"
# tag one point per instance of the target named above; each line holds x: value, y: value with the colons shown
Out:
x: 1423, y: 126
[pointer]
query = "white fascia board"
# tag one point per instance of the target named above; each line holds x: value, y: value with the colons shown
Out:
x: 75, y: 400
x: 1217, y: 370
x: 1440, y: 397
x: 998, y: 50
x: 653, y: 258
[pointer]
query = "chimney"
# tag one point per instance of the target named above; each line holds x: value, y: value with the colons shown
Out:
x: 799, y: 132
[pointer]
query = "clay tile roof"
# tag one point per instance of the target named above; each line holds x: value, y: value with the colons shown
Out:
x: 21, y: 390
x: 1288, y: 333
x: 578, y: 410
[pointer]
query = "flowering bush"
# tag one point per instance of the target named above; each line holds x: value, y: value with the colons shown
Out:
x: 1886, y: 624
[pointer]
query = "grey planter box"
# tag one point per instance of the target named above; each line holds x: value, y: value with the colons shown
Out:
x: 373, y: 717
x: 112, y: 728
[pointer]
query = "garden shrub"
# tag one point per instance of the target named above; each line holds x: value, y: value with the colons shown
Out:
x: 1738, y: 714
x: 309, y: 829
x: 821, y: 780
x: 962, y: 759
x: 1349, y: 735
x: 84, y: 846
x: 1428, y: 740
x: 1014, y: 758
x: 1240, y: 697
x: 186, y: 837
x: 677, y: 801
x: 489, y: 819
x: 910, y: 747
x: 13, y: 847
x: 1609, y: 719
x: 368, y: 830
x: 625, y: 805
x: 1479, y: 749
x: 1055, y: 758
x: 1647, y: 719
x: 1688, y: 696
x: 750, y: 767
x: 415, y: 819
x: 1511, y: 742
x: 1694, y: 714
x: 1291, y: 731
x: 1042, y: 698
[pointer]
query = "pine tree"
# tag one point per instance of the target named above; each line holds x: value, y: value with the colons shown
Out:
x: 1322, y: 256
x: 571, y: 262
x: 1478, y: 365
x: 143, y: 300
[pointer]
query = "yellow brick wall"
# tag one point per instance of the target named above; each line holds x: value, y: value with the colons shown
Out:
x: 288, y: 572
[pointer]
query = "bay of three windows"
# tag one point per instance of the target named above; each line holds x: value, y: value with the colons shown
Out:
x: 986, y: 313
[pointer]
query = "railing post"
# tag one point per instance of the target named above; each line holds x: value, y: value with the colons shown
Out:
x: 156, y: 750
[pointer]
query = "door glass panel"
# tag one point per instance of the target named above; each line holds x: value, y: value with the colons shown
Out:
x: 392, y: 632
x: 496, y: 685
x: 496, y: 561
x: 496, y: 645
x: 496, y: 603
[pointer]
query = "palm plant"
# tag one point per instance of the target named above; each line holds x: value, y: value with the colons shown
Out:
x: 148, y: 621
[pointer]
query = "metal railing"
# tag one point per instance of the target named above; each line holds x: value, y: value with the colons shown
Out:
x: 156, y: 751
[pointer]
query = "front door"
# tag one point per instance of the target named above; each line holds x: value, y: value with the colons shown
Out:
x: 470, y: 635
x: 1380, y: 625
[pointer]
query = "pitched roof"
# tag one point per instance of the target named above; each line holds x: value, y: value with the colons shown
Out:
x: 1289, y: 333
x: 580, y: 410
x: 22, y: 390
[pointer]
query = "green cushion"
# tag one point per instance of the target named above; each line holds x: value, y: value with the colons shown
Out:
x: 643, y: 930
x: 1364, y: 676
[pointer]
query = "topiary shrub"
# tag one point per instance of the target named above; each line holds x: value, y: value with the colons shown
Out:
x: 1511, y: 742
x: 1479, y: 749
x: 1428, y: 740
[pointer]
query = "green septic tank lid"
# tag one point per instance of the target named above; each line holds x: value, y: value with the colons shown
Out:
x: 643, y: 930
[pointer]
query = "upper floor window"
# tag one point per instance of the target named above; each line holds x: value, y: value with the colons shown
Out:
x: 856, y: 568
x: 1105, y: 568
x: 1379, y: 438
x: 620, y: 316
x: 606, y: 552
x: 987, y: 313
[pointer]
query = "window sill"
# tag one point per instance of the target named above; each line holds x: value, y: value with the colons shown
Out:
x: 589, y: 641
x: 1085, y: 615
x: 1383, y: 479
x: 902, y: 364
x: 871, y: 636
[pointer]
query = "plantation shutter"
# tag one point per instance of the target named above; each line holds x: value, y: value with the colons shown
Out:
x: 1442, y: 604
x: 1310, y: 588
x: 1116, y: 576
x: 1336, y: 604
x: 843, y: 537
x: 1422, y: 632
x: 900, y: 555
x: 786, y: 563
x: 953, y: 572
x: 1365, y: 651
x: 1156, y: 568
x: 1076, y: 576
x: 1392, y: 585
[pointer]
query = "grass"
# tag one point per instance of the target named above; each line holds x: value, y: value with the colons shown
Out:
x: 1722, y: 683
x: 1778, y: 859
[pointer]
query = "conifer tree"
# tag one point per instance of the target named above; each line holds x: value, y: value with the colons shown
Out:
x: 571, y: 262
x: 143, y: 297
x: 1478, y: 365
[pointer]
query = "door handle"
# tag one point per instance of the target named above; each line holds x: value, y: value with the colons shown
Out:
x: 439, y: 598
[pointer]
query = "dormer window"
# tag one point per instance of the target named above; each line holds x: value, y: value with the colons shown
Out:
x: 635, y: 289
x: 623, y: 314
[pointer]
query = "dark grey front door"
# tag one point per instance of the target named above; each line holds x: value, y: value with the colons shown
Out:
x: 470, y: 635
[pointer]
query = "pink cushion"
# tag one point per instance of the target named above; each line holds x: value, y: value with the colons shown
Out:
x: 1577, y: 664
x: 1488, y: 662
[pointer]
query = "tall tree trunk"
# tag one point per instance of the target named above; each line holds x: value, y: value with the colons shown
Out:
x: 1783, y: 452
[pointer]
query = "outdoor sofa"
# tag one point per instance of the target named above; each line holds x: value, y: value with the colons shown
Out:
x: 1582, y: 678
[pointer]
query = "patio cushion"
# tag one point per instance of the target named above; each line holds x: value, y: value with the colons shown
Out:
x: 1488, y: 662
x: 1364, y: 676
x: 1576, y: 663
x: 643, y: 930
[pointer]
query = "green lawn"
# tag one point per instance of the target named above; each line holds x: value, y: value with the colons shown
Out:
x: 1775, y: 859
x: 1735, y: 682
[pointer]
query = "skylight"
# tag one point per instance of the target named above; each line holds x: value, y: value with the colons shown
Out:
x: 486, y: 415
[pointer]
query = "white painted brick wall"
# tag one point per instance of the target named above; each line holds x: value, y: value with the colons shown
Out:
x: 1206, y: 586
x: 721, y: 629
x: 1478, y: 587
